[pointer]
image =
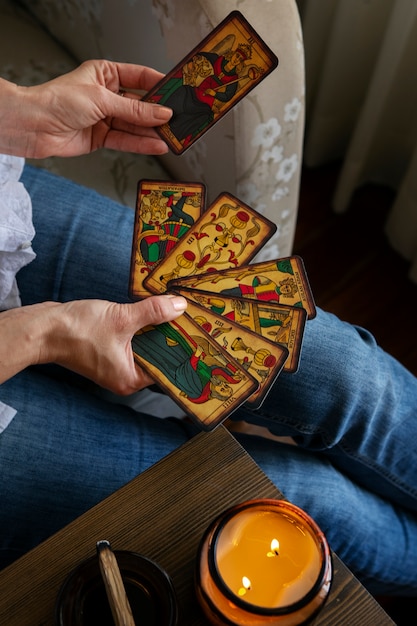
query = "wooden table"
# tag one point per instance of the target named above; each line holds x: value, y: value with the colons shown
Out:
x: 171, y: 503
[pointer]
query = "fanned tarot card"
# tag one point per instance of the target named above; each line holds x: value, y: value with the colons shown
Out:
x: 191, y: 367
x: 260, y: 357
x: 211, y: 79
x: 228, y: 234
x: 277, y: 322
x: 244, y: 322
x: 282, y: 280
x: 165, y: 212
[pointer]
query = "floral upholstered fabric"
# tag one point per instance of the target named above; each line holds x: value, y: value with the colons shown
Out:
x: 254, y: 152
x: 30, y: 55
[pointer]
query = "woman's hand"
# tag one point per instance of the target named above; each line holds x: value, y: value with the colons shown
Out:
x: 82, y: 111
x: 90, y: 337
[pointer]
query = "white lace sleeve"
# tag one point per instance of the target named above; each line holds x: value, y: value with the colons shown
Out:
x: 16, y: 229
x: 16, y: 234
x: 6, y: 415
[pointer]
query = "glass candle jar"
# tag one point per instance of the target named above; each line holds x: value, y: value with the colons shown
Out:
x: 82, y: 600
x: 263, y: 562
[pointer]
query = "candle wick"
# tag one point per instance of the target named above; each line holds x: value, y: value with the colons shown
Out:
x: 247, y: 585
x: 274, y: 548
x: 273, y: 552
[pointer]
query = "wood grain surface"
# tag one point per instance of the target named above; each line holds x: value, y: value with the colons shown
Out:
x: 163, y: 514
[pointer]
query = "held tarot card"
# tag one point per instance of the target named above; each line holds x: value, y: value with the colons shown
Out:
x: 211, y: 79
x: 277, y: 322
x: 227, y: 235
x: 193, y: 369
x: 260, y: 357
x: 165, y: 212
x: 283, y: 281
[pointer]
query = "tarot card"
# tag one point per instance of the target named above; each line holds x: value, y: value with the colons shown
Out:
x: 211, y: 79
x: 193, y: 369
x: 165, y: 212
x: 228, y: 234
x: 277, y: 322
x: 283, y: 281
x: 262, y: 358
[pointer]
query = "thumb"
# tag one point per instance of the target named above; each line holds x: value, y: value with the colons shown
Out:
x: 158, y: 309
x: 136, y: 111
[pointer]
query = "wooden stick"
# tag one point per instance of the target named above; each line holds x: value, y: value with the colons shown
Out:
x: 115, y: 590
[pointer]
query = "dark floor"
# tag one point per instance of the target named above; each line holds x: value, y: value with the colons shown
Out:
x: 352, y: 270
x: 354, y: 273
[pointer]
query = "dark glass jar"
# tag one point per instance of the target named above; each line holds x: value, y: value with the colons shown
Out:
x: 82, y: 600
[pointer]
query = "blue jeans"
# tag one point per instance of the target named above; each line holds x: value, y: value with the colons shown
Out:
x: 351, y: 409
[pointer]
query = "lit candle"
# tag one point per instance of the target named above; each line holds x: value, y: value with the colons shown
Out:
x: 263, y: 562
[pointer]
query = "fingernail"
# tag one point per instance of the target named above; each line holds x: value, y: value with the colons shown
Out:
x: 162, y: 113
x: 178, y: 302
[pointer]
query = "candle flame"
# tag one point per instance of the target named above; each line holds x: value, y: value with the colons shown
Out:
x: 274, y: 548
x: 246, y: 586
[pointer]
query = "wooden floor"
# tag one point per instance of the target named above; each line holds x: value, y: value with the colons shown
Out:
x: 352, y: 269
x: 355, y: 274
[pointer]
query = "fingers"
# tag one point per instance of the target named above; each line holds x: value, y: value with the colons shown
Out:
x: 103, y: 109
x: 132, y: 142
x: 133, y: 76
x: 126, y: 105
x: 114, y: 75
x: 132, y: 124
x: 150, y: 114
x: 130, y: 109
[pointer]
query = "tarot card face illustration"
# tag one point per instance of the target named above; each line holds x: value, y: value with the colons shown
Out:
x: 211, y: 79
x: 193, y: 369
x: 262, y: 358
x: 165, y: 212
x: 276, y: 322
x: 228, y: 234
x: 283, y: 281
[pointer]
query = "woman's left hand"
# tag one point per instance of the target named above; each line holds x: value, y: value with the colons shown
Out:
x: 82, y: 111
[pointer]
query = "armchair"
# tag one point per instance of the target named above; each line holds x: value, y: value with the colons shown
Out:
x: 254, y: 152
